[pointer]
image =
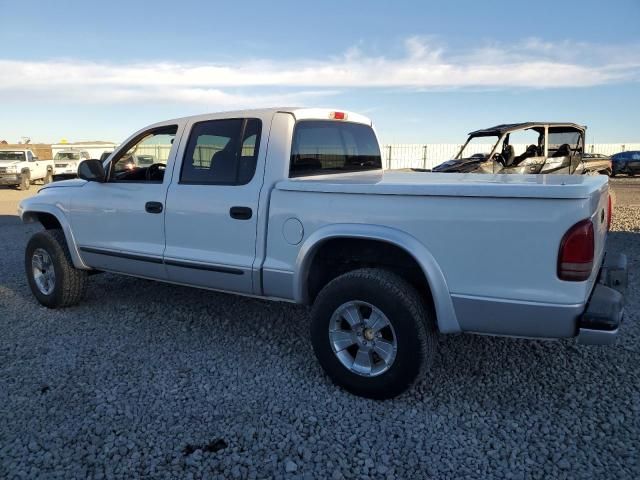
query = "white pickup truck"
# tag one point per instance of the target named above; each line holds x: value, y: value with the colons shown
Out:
x: 20, y: 167
x: 292, y: 204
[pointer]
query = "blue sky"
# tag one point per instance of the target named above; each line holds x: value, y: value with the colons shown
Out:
x: 423, y: 71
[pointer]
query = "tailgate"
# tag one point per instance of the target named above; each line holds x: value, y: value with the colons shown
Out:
x: 599, y: 217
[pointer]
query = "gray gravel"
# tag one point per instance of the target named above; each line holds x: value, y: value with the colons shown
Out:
x: 159, y: 381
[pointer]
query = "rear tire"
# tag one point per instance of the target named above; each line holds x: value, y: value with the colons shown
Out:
x: 48, y: 177
x: 342, y: 328
x: 53, y: 279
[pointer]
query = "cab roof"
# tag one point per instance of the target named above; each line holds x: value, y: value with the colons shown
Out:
x: 299, y: 113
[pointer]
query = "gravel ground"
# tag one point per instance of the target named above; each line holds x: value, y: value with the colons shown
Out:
x: 158, y: 381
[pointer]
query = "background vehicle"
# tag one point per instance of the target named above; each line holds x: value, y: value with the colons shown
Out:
x: 104, y: 156
x: 67, y: 162
x: 626, y: 162
x: 20, y: 167
x: 597, y: 163
x: 383, y: 257
x: 536, y: 148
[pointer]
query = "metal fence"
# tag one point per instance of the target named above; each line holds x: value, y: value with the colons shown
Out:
x: 394, y: 156
x: 417, y: 155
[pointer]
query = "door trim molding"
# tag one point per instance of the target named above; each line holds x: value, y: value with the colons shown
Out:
x: 168, y: 262
x: 203, y: 266
x: 129, y: 256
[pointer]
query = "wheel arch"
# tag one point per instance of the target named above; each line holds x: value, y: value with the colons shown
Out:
x: 445, y: 314
x: 51, y: 217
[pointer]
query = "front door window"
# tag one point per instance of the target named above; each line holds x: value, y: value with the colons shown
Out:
x: 145, y: 159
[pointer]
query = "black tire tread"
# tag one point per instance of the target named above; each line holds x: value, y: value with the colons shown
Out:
x: 23, y: 185
x: 74, y: 281
x: 401, y: 290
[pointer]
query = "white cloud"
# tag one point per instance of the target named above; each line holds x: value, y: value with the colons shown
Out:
x: 425, y: 64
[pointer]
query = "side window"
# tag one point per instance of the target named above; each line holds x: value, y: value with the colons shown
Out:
x: 526, y: 143
x: 222, y: 152
x: 563, y: 141
x: 29, y: 156
x: 144, y: 159
x: 85, y: 156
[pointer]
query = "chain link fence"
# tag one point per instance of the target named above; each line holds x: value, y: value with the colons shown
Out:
x: 427, y: 156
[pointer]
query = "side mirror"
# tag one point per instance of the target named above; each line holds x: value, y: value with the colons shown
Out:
x: 92, y: 171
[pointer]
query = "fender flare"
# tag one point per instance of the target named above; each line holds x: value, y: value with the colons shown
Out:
x: 445, y: 312
x: 31, y: 216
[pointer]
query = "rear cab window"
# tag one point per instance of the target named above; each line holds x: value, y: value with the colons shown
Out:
x: 326, y: 146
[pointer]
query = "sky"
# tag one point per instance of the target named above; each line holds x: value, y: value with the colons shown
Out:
x: 423, y: 71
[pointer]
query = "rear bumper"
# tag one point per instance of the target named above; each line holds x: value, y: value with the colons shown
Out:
x: 601, y: 320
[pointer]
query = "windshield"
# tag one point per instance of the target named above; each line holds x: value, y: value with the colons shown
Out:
x: 478, y: 147
x: 67, y: 156
x: 19, y: 156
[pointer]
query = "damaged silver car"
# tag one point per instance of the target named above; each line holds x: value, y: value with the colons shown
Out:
x: 532, y: 147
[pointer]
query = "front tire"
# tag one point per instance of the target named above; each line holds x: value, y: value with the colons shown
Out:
x: 371, y: 333
x: 25, y: 182
x: 53, y: 279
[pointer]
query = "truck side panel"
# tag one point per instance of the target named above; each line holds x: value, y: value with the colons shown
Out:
x: 490, y: 253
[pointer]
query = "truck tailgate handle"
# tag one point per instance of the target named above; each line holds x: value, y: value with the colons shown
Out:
x: 153, y: 207
x: 241, y: 213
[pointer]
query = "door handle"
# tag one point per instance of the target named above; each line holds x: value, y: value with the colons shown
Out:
x: 241, y: 213
x: 153, y: 207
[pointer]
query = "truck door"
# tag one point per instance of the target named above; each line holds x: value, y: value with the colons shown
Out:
x: 212, y: 204
x: 119, y: 224
x: 37, y: 168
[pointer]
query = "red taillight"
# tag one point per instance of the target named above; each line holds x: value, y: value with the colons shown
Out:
x: 609, y: 213
x: 575, y: 259
x: 338, y: 115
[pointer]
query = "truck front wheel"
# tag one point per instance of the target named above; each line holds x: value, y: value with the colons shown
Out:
x: 25, y: 182
x: 371, y: 333
x: 53, y: 279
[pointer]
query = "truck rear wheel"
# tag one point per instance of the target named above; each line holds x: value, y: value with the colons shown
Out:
x: 25, y: 182
x: 371, y: 333
x: 53, y: 279
x: 48, y: 177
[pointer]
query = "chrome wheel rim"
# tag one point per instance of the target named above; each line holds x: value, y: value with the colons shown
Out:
x: 43, y: 273
x: 362, y: 338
